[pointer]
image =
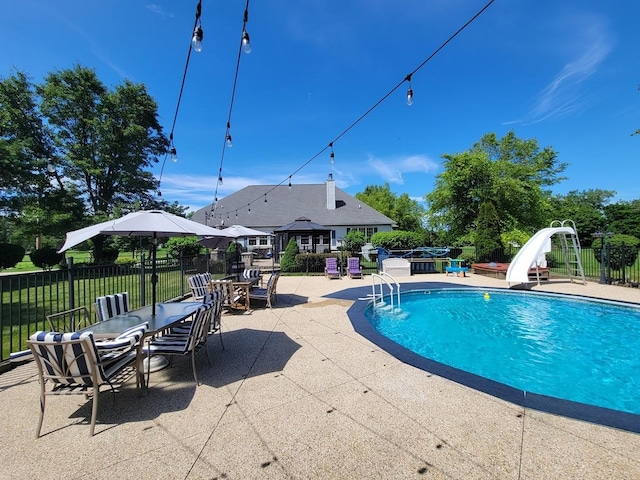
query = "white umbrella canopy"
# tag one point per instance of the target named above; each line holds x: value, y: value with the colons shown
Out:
x: 234, y: 231
x: 144, y: 223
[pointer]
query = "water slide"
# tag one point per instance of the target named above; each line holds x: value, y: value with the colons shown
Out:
x: 525, y: 259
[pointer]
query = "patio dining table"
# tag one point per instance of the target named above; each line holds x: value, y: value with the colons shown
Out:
x: 167, y: 315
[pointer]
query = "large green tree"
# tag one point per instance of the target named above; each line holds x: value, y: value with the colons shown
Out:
x: 104, y: 139
x: 585, y: 208
x: 511, y: 173
x: 402, y: 209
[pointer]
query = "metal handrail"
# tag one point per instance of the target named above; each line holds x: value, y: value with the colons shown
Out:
x: 382, y: 276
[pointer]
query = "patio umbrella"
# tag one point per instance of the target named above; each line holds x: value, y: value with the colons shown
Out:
x: 234, y: 231
x: 144, y: 223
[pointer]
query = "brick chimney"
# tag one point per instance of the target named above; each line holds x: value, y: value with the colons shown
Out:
x: 331, y: 193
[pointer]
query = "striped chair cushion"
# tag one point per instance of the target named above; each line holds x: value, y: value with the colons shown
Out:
x: 67, y: 363
x: 199, y: 286
x: 112, y: 305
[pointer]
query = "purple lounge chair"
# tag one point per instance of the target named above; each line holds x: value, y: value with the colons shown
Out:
x: 331, y: 268
x: 353, y: 267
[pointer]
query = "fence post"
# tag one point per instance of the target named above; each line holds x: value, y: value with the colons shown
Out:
x: 72, y: 299
x: 142, y: 282
x: 181, y: 273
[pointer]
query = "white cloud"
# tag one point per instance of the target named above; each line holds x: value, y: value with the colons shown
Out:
x: 158, y: 10
x: 563, y: 95
x: 392, y: 169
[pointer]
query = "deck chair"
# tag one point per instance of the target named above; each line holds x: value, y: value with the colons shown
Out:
x: 231, y: 299
x: 199, y: 285
x: 331, y: 268
x: 215, y: 325
x: 111, y: 305
x: 266, y: 294
x: 353, y: 267
x: 70, y: 320
x: 73, y: 364
x: 252, y: 275
x: 181, y: 344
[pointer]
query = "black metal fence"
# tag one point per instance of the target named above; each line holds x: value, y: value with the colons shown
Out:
x: 27, y: 298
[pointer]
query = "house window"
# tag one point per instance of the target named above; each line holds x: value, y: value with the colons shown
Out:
x: 368, y: 231
x: 304, y: 240
x: 252, y: 241
x: 264, y: 241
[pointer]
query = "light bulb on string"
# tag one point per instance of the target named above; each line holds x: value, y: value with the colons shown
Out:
x: 409, y: 91
x: 289, y: 182
x: 229, y: 140
x: 51, y: 168
x: 332, y: 156
x: 265, y: 198
x: 174, y: 154
x: 249, y: 211
x: 220, y: 178
x: 246, y: 42
x: 196, y: 41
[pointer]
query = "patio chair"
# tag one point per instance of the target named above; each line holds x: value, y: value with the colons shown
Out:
x: 266, y: 294
x: 353, y: 267
x: 231, y: 297
x: 182, y: 344
x: 252, y: 275
x: 74, y: 365
x: 331, y: 268
x: 69, y: 320
x: 111, y: 305
x: 215, y: 325
x: 199, y: 285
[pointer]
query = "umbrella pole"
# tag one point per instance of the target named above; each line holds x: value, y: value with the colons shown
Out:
x: 154, y: 277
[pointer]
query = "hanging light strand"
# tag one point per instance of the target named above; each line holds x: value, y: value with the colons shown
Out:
x: 375, y: 105
x: 172, y: 150
x: 227, y: 135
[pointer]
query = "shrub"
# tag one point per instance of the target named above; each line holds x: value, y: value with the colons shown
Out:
x: 397, y: 240
x: 354, y: 241
x: 46, y: 258
x: 622, y: 250
x: 128, y: 261
x: 10, y: 255
x: 110, y: 254
x: 188, y: 245
x: 288, y: 262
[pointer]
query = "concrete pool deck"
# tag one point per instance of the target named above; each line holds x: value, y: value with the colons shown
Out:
x: 298, y: 394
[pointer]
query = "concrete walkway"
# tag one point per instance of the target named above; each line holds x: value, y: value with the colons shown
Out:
x: 298, y: 394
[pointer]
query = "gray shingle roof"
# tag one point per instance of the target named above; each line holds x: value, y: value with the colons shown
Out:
x: 283, y: 206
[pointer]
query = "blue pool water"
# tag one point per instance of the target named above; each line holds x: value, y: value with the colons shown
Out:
x: 579, y: 350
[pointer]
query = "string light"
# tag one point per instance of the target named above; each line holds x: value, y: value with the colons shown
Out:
x: 197, y: 39
x: 245, y: 45
x: 265, y: 198
x: 229, y: 140
x: 220, y: 177
x: 409, y: 91
x: 249, y: 211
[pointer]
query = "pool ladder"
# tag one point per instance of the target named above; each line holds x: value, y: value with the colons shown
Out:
x: 384, y: 278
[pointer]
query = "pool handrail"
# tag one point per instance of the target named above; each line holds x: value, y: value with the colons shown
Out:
x: 383, y: 276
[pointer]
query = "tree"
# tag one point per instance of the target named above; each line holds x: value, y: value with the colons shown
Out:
x: 623, y: 217
x: 24, y: 144
x: 104, y: 139
x: 509, y: 172
x: 288, y: 261
x: 487, y: 238
x: 585, y: 208
x: 406, y: 212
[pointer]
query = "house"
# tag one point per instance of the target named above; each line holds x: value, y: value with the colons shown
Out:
x: 269, y: 208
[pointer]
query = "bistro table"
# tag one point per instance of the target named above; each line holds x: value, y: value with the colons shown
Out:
x: 167, y: 315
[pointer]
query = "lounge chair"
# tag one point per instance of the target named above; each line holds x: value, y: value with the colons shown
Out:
x: 331, y: 268
x: 266, y: 294
x: 252, y: 275
x: 353, y: 267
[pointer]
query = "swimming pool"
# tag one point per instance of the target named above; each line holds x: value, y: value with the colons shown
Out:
x: 555, y: 346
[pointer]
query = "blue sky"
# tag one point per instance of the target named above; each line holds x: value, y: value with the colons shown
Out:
x: 565, y: 73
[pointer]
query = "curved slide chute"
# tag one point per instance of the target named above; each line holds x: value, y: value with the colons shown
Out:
x: 525, y: 259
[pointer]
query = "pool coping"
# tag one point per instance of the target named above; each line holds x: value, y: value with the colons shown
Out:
x: 567, y: 408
